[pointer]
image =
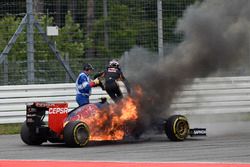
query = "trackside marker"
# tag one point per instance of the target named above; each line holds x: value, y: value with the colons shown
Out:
x: 41, y: 163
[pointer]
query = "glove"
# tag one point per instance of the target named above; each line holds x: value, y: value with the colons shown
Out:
x: 96, y: 81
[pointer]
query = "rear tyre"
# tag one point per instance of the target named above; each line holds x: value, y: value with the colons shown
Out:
x: 29, y: 136
x: 177, y: 128
x: 76, y: 134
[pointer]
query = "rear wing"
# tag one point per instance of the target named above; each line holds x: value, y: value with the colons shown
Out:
x: 57, y: 112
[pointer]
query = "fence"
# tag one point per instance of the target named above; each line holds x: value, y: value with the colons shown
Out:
x: 89, y: 31
x: 216, y: 95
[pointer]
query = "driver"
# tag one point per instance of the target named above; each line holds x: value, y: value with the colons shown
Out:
x: 112, y: 74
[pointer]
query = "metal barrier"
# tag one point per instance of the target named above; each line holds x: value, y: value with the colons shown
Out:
x: 13, y: 99
x: 204, y: 96
x: 218, y: 95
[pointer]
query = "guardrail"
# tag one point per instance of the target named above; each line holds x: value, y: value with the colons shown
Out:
x: 218, y: 95
x: 13, y: 99
x: 204, y: 96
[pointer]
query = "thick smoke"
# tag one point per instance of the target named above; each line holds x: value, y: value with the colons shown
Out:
x: 216, y: 36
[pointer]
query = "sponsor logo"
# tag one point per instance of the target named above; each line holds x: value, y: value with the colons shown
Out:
x: 112, y: 70
x: 58, y: 110
x: 41, y: 104
x: 199, y: 132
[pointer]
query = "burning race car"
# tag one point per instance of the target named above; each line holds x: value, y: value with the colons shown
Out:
x: 94, y: 122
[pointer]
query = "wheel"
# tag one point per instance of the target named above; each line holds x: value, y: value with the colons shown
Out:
x: 29, y: 136
x: 177, y: 128
x: 76, y: 134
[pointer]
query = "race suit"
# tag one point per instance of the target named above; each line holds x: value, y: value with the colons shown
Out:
x: 111, y: 76
x: 83, y: 89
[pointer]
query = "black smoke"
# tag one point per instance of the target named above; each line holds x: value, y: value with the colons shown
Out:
x: 216, y: 36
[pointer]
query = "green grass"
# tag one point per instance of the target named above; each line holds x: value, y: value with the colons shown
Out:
x: 10, y: 128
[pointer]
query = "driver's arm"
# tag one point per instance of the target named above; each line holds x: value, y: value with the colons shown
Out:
x: 99, y: 74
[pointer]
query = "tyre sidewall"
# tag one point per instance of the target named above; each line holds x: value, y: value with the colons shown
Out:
x: 70, y: 134
x: 170, y: 128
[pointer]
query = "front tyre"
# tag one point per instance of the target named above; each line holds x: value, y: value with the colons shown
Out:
x: 177, y: 128
x: 76, y: 134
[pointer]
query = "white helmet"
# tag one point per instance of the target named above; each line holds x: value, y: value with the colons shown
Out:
x: 114, y: 63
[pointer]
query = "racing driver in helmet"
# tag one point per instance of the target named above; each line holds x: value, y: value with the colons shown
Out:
x: 111, y: 75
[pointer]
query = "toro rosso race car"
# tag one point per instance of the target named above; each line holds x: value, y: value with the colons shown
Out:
x: 93, y: 122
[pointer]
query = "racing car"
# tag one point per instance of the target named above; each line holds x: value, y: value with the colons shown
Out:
x: 83, y: 124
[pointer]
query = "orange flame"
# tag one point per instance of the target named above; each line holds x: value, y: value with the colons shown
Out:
x: 112, y: 122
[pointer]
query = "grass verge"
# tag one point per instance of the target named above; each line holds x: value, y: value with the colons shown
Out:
x: 10, y: 128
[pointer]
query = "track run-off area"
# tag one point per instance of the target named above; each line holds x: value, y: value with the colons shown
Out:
x: 226, y: 145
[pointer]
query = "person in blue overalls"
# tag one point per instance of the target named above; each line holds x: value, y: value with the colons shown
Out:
x: 84, y: 85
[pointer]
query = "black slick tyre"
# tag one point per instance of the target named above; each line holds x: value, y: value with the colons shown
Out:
x: 177, y: 128
x: 29, y: 136
x: 76, y: 134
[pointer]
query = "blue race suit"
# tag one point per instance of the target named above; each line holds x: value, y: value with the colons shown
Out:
x: 83, y: 89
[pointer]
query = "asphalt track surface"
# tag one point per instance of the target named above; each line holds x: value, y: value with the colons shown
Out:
x: 226, y: 142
